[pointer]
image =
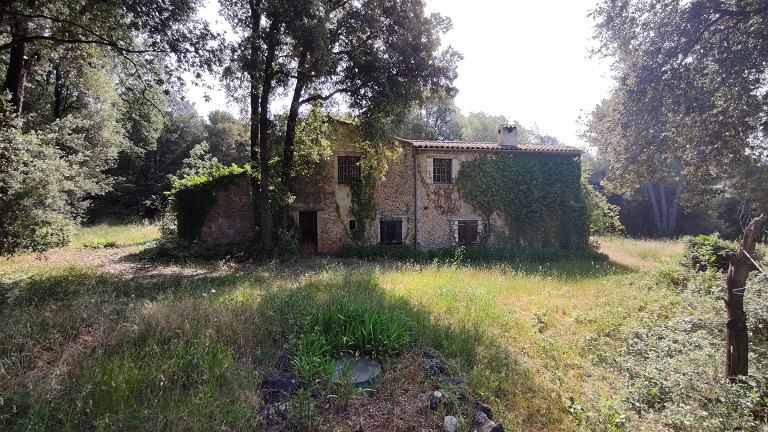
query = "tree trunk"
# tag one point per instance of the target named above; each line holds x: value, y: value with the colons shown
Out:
x: 58, y: 92
x: 675, y: 207
x: 737, y: 344
x: 266, y: 91
x: 255, y: 85
x: 655, y: 204
x: 664, y: 213
x: 18, y: 63
x: 289, y: 147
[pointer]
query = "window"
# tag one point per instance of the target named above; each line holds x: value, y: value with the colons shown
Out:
x: 349, y: 169
x: 467, y: 232
x: 441, y: 171
x: 391, y: 232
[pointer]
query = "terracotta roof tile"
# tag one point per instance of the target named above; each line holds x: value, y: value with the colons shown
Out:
x: 492, y: 146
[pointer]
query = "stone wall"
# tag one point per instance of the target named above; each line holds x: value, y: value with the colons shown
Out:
x: 439, y: 206
x: 231, y: 218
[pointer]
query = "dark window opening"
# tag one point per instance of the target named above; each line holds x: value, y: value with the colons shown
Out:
x: 391, y: 232
x: 349, y: 169
x: 441, y: 171
x: 352, y: 225
x: 467, y: 233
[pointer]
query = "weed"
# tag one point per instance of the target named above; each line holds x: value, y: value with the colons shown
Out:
x: 540, y: 319
x: 302, y: 412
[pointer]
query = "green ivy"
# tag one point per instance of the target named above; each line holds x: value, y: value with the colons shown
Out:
x: 538, y: 196
x: 192, y: 198
x: 373, y: 166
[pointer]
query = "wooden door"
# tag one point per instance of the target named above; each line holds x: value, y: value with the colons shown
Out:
x: 308, y: 229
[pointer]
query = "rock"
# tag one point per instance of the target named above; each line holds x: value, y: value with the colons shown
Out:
x: 464, y: 399
x: 282, y: 361
x: 278, y: 386
x: 434, y: 399
x: 429, y: 353
x: 451, y: 424
x: 483, y: 408
x: 271, y: 412
x: 483, y: 424
x: 357, y: 428
x: 436, y: 367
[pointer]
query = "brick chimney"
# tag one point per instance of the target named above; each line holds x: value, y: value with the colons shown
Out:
x: 506, y: 135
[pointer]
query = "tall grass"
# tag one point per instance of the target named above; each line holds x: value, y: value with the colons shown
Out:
x: 113, y: 235
x: 561, y: 345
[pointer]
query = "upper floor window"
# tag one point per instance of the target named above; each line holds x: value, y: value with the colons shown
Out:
x: 349, y: 169
x: 442, y: 170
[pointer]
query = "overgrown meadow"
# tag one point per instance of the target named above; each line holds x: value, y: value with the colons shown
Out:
x: 99, y: 337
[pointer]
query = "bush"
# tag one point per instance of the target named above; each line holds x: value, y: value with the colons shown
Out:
x: 705, y: 252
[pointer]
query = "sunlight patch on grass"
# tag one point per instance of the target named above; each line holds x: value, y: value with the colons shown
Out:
x: 639, y: 254
x: 109, y: 235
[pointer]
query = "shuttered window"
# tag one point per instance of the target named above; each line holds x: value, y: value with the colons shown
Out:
x: 349, y: 169
x: 467, y: 232
x: 391, y: 232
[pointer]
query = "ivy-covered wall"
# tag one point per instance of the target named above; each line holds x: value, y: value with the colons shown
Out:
x: 214, y: 208
x: 537, y: 196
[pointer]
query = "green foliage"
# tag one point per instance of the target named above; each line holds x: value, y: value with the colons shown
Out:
x: 229, y: 138
x: 192, y: 197
x: 538, y: 196
x: 47, y: 176
x: 313, y: 146
x: 346, y: 329
x: 670, y: 119
x: 373, y: 166
x: 603, y: 216
x: 705, y: 252
x: 349, y: 329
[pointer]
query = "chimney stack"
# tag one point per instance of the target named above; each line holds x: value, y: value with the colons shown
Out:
x: 507, y: 135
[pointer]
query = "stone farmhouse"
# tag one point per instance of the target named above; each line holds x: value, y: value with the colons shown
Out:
x: 417, y: 204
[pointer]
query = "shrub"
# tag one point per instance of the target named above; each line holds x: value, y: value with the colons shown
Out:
x: 705, y: 252
x: 467, y: 255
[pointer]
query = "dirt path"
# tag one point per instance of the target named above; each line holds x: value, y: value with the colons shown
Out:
x: 108, y: 260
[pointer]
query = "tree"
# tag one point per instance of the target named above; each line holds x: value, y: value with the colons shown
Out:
x: 689, y: 104
x: 134, y: 30
x: 377, y: 58
x: 437, y: 118
x: 227, y: 137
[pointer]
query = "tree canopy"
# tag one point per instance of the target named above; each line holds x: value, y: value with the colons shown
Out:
x: 689, y: 102
x: 375, y: 58
x: 690, y: 107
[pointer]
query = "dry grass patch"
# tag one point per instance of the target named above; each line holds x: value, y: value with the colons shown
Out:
x: 639, y: 254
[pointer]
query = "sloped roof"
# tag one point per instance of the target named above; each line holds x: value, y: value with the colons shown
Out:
x: 492, y: 146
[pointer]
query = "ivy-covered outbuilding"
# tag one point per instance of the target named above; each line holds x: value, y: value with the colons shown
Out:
x: 435, y: 194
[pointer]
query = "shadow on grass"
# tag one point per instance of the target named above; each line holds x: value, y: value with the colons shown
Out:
x: 545, y: 262
x: 193, y: 325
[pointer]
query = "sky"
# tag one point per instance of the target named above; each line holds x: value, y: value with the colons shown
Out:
x: 526, y: 60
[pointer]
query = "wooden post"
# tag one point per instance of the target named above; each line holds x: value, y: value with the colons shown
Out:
x: 737, y: 344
